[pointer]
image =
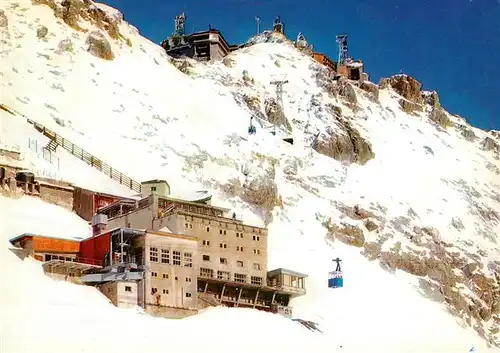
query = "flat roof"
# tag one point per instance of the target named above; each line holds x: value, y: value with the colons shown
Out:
x: 31, y: 235
x: 136, y: 231
x: 286, y: 272
x: 194, y: 203
x: 154, y: 181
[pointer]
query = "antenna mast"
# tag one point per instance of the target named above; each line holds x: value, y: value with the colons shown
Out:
x: 279, y: 98
x: 257, y: 19
x: 180, y: 21
x: 341, y: 40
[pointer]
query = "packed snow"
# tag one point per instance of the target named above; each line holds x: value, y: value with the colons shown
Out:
x: 144, y: 117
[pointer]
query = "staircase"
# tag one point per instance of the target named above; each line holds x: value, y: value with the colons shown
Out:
x: 51, y: 146
x: 57, y: 140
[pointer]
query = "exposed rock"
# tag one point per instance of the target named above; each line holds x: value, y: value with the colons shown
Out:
x: 64, y: 46
x: 349, y: 147
x: 408, y: 88
x: 372, y: 250
x: 99, y: 46
x: 356, y: 212
x: 275, y: 114
x: 489, y: 144
x: 372, y: 89
x: 334, y: 109
x: 456, y: 222
x: 370, y: 225
x: 72, y: 11
x: 262, y: 191
x: 252, y: 102
x: 183, y: 65
x: 468, y: 135
x: 431, y: 99
x: 247, y: 78
x: 41, y: 32
x: 347, y: 91
x: 348, y: 234
x: 439, y: 116
x: 4, y: 21
x: 229, y: 61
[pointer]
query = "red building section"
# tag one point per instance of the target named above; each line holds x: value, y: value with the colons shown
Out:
x: 87, y: 202
x: 95, y: 248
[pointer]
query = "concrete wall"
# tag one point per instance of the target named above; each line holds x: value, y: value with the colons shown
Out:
x: 60, y: 197
x: 121, y: 293
x: 224, y: 238
x: 162, y: 189
x: 10, y: 154
x: 168, y: 283
x: 139, y: 219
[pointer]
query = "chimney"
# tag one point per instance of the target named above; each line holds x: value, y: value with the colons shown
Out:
x: 99, y: 223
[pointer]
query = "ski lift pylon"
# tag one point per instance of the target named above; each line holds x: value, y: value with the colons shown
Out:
x: 335, y: 278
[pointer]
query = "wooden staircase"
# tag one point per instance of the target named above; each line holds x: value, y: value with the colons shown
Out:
x: 57, y: 140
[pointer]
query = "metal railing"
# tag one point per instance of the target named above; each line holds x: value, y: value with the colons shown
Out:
x: 78, y: 259
x: 88, y: 158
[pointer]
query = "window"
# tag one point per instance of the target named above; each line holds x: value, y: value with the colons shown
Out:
x: 223, y: 260
x: 223, y: 245
x: 154, y: 274
x: 188, y: 279
x: 222, y: 232
x: 239, y: 277
x: 154, y: 291
x: 256, y: 280
x: 188, y: 295
x: 176, y: 256
x: 256, y: 251
x: 188, y: 225
x: 165, y: 291
x: 206, y: 242
x: 206, y: 272
x: 223, y: 275
x: 256, y: 238
x: 239, y: 248
x: 206, y: 258
x: 165, y: 276
x: 153, y: 254
x: 165, y: 256
x: 208, y: 229
x: 239, y: 263
x: 188, y: 259
x: 153, y: 188
x: 256, y: 266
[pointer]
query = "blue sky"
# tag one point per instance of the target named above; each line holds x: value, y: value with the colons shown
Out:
x: 451, y: 46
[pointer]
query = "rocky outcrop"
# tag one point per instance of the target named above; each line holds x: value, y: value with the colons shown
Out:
x: 42, y: 32
x: 407, y: 87
x: 4, y: 21
x: 73, y: 11
x: 372, y: 89
x: 348, y: 146
x: 65, y: 45
x: 228, y: 61
x: 440, y: 117
x: 346, y: 233
x: 489, y: 144
x: 467, y: 133
x: 275, y: 114
x: 346, y: 90
x: 99, y: 46
x: 432, y: 99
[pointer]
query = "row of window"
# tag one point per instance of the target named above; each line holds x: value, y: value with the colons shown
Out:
x: 223, y: 232
x: 165, y: 291
x: 226, y: 276
x: 165, y: 257
x: 224, y: 246
x: 223, y: 261
x: 165, y: 276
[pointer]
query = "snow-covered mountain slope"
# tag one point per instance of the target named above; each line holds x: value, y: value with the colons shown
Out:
x: 413, y: 191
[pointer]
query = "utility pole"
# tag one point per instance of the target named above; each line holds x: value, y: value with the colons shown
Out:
x: 279, y: 98
x: 257, y: 19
